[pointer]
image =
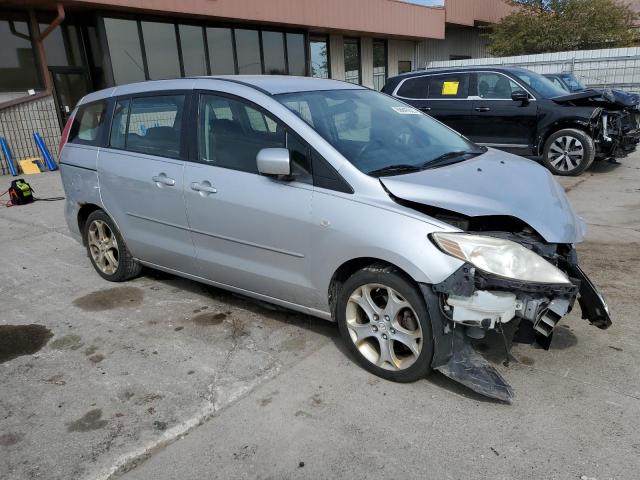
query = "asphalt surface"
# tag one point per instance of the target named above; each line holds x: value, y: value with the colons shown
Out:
x: 164, y: 378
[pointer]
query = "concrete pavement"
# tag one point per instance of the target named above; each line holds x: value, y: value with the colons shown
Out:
x: 165, y: 378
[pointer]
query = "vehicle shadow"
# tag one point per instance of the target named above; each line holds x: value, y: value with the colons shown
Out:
x: 603, y: 167
x: 239, y: 301
x: 310, y: 323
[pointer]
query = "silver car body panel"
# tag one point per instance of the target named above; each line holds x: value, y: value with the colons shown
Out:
x: 496, y: 183
x: 287, y: 250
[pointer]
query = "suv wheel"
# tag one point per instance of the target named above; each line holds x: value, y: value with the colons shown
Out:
x: 106, y: 248
x: 568, y: 152
x: 384, y: 321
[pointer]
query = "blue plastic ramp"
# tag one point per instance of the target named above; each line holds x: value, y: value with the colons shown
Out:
x: 8, y: 157
x: 44, y: 151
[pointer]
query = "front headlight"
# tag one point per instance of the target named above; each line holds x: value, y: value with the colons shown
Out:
x: 499, y: 257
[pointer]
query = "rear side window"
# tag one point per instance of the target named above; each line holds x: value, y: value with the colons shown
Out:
x: 414, y: 88
x: 88, y: 124
x: 150, y: 125
x: 231, y: 133
x: 449, y: 86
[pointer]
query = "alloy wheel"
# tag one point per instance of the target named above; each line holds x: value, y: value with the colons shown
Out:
x: 566, y: 153
x: 103, y: 246
x: 384, y: 327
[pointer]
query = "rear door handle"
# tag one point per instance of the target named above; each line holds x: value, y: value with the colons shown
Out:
x: 426, y: 109
x: 482, y: 109
x: 204, y: 188
x: 162, y: 179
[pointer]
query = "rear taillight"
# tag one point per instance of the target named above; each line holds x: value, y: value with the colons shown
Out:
x: 65, y: 133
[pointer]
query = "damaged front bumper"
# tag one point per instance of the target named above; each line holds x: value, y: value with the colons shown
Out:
x: 619, y: 133
x: 471, y: 302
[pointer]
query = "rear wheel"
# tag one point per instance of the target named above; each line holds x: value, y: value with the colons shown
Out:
x: 106, y: 248
x: 383, y: 319
x: 568, y: 152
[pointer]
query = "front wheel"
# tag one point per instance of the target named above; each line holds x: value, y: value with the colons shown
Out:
x: 383, y: 319
x: 568, y: 152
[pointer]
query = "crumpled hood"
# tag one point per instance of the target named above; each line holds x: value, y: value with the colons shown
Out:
x: 604, y: 98
x: 495, y: 183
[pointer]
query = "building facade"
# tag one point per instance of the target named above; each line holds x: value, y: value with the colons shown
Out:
x: 54, y: 52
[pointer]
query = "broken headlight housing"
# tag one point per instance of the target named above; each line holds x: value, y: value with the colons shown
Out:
x: 499, y: 257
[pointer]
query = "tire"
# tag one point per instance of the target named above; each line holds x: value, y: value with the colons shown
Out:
x: 568, y: 152
x: 406, y: 334
x: 106, y: 249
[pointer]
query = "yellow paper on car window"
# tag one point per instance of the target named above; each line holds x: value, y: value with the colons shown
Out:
x: 450, y: 88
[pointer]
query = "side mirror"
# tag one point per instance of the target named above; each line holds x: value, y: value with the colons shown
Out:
x: 274, y: 161
x: 520, y: 96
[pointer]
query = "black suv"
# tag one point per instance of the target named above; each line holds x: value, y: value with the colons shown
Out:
x: 521, y: 111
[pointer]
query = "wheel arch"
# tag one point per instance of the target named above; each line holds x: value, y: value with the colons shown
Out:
x: 349, y: 267
x: 83, y: 214
x: 576, y: 124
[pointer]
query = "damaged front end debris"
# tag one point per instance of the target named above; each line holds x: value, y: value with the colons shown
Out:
x: 472, y: 302
x: 615, y: 124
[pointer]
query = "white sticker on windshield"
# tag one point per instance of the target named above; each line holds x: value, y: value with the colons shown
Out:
x: 406, y: 110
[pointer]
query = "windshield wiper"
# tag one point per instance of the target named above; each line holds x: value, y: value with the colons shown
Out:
x: 395, y: 170
x: 451, y: 157
x: 444, y: 159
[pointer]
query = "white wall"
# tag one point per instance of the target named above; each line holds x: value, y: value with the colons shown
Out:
x: 401, y: 50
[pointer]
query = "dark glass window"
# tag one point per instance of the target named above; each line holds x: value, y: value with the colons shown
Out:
x: 248, y: 51
x: 404, y: 66
x: 352, y: 60
x: 88, y: 123
x: 496, y: 86
x: 62, y: 46
x: 449, y: 86
x: 296, y: 54
x: 18, y: 69
x: 193, y: 52
x: 319, y: 48
x: 119, y: 124
x: 417, y: 87
x: 379, y: 64
x: 155, y: 125
x: 161, y: 49
x: 231, y: 133
x: 220, y: 44
x: 300, y: 159
x: 95, y: 57
x: 273, y: 53
x: 124, y: 50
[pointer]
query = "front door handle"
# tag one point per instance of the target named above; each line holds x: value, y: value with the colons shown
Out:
x: 426, y: 109
x: 204, y: 188
x: 162, y: 179
x: 482, y: 109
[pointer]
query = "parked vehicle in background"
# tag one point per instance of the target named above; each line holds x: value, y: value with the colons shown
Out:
x: 333, y: 200
x: 572, y: 84
x: 522, y: 112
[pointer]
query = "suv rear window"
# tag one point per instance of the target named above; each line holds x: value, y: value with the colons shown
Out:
x: 449, y: 86
x: 416, y: 87
x: 88, y: 124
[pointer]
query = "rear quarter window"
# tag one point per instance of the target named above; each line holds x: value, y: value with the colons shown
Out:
x: 414, y: 88
x: 89, y: 124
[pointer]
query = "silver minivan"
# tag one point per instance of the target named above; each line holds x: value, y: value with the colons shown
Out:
x: 333, y: 200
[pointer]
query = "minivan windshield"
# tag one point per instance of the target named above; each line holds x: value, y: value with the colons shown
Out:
x: 540, y: 84
x: 377, y: 133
